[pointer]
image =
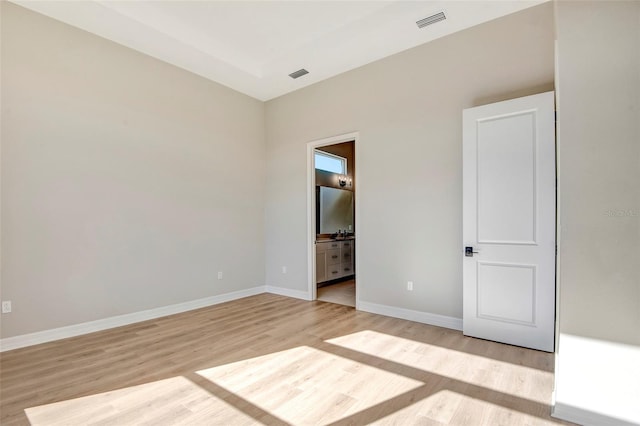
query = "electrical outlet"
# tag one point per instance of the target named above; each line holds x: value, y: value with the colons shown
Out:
x: 6, y: 306
x: 284, y: 269
x: 220, y: 275
x: 410, y: 285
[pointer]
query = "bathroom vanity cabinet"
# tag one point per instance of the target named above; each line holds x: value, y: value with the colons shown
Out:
x: 334, y: 259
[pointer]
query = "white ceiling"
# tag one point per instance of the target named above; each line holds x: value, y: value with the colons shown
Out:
x: 253, y: 46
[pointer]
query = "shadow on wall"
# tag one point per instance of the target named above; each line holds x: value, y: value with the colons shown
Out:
x: 484, y: 100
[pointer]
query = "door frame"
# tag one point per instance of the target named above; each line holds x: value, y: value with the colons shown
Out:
x: 311, y: 211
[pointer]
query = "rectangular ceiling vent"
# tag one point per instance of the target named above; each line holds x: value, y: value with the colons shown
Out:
x: 440, y: 16
x: 298, y: 73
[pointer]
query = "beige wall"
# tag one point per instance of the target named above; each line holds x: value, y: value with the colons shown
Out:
x: 408, y: 110
x: 127, y: 183
x: 599, y: 173
x: 599, y: 151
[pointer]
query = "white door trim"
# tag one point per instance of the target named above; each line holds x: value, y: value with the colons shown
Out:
x: 311, y: 211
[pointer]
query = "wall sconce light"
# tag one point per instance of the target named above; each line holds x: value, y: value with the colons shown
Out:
x: 344, y: 180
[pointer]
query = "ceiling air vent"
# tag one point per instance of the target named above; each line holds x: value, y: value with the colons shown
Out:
x: 440, y: 16
x: 298, y: 73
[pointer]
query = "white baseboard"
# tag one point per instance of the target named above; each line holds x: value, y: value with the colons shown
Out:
x: 45, y: 336
x: 411, y: 315
x: 282, y: 291
x: 586, y: 417
x: 24, y: 340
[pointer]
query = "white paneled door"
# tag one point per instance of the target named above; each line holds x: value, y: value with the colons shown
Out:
x: 509, y: 216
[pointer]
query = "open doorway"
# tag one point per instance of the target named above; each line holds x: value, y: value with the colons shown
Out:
x: 332, y: 230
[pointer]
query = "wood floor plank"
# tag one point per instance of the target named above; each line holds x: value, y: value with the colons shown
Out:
x: 270, y: 359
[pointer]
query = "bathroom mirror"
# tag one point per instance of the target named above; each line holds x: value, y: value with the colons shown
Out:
x: 334, y: 210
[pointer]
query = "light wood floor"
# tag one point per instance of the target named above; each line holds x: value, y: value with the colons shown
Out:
x: 273, y: 360
x: 343, y: 293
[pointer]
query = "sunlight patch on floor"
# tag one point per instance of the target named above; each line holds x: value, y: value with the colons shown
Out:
x: 449, y: 407
x: 303, y: 385
x: 474, y: 369
x: 167, y: 401
x: 364, y: 377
